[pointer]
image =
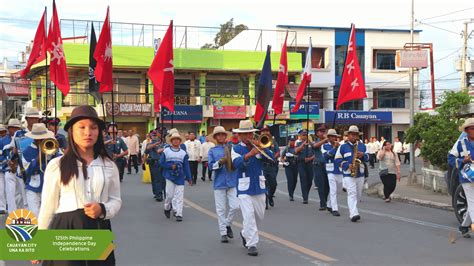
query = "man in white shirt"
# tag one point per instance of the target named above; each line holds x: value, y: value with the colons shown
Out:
x: 406, y: 152
x: 397, y: 147
x: 193, y: 147
x: 133, y: 145
x: 372, y: 149
x: 205, y: 147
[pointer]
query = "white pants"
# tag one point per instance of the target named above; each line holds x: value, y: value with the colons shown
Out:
x: 15, y: 192
x: 222, y: 197
x: 174, y: 197
x: 353, y: 186
x: 335, y: 184
x: 3, y: 198
x: 469, y: 192
x: 33, y: 200
x: 253, y: 211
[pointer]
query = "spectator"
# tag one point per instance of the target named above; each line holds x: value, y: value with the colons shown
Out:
x: 133, y: 145
x: 203, y: 138
x: 372, y: 149
x: 406, y: 152
x: 205, y: 147
x: 193, y: 148
x: 398, y: 147
x: 389, y: 169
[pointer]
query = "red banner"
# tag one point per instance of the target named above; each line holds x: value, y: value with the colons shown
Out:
x: 230, y: 112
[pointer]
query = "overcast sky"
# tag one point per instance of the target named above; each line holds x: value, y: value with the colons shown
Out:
x: 19, y: 18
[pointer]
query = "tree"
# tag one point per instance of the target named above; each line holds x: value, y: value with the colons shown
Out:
x: 225, y: 34
x: 438, y: 132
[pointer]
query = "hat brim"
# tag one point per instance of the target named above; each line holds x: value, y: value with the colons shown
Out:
x: 33, y: 116
x: 245, y: 130
x: 463, y: 127
x: 72, y: 121
x: 212, y: 139
x: 170, y: 138
x: 47, y: 135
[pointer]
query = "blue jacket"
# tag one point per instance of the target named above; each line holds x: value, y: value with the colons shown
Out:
x: 329, y: 152
x: 344, y: 158
x: 182, y: 146
x: 306, y: 152
x: 179, y: 157
x: 223, y: 179
x: 4, y: 154
x: 251, y: 180
x: 457, y: 153
x: 33, y: 174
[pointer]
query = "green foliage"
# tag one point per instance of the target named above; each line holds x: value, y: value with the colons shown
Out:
x: 438, y: 132
x: 227, y: 32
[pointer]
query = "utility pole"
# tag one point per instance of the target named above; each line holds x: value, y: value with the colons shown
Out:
x: 463, y: 58
x: 412, y: 174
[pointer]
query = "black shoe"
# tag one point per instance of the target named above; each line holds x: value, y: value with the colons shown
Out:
x: 252, y: 251
x: 322, y: 208
x: 159, y: 198
x: 129, y: 173
x: 230, y: 234
x: 203, y: 179
x: 179, y: 219
x: 210, y: 179
x: 464, y: 231
x: 244, y: 242
x: 329, y: 209
x: 305, y: 201
x: 355, y: 218
x: 291, y: 198
x: 2, y: 212
x: 168, y: 213
x: 336, y: 213
x: 344, y: 189
x: 224, y: 239
x: 194, y: 182
x: 271, y: 202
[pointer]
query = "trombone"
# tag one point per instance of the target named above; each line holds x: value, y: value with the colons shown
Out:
x: 264, y: 141
x: 48, y: 147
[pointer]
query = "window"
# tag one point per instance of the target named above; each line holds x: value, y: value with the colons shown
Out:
x: 128, y: 90
x: 390, y: 99
x: 351, y: 105
x: 340, y: 58
x: 318, y: 57
x: 385, y: 132
x: 384, y: 59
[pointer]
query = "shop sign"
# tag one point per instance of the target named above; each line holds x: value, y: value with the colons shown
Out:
x: 184, y: 114
x: 302, y: 113
x: 230, y: 112
x: 129, y: 109
x: 358, y: 117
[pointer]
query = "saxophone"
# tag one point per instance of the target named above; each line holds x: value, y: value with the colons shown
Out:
x: 355, y: 162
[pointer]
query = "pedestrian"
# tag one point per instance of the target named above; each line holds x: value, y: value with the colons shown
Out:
x: 133, y: 145
x: 305, y: 163
x: 175, y: 164
x: 397, y: 147
x: 291, y: 166
x: 81, y: 189
x: 153, y: 150
x: 4, y: 140
x: 225, y: 182
x: 389, y: 169
x: 319, y: 168
x: 460, y: 157
x: 406, y: 152
x: 203, y: 137
x: 329, y: 150
x: 270, y: 169
x: 205, y: 147
x: 350, y: 156
x: 372, y: 149
x: 193, y: 148
x: 116, y: 149
x: 35, y: 162
x: 251, y: 189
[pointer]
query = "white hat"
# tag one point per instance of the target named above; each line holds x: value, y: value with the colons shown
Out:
x: 172, y: 131
x: 332, y: 132
x: 39, y: 131
x: 353, y: 129
x: 32, y: 112
x: 175, y: 135
x: 2, y: 127
x: 217, y: 130
x: 245, y: 126
x: 14, y: 123
x: 468, y: 123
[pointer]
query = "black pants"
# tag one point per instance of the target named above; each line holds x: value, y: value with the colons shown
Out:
x: 305, y: 170
x: 321, y: 180
x: 372, y: 159
x: 407, y: 158
x: 193, y: 165
x: 270, y: 172
x: 291, y: 172
x: 134, y: 159
x: 389, y: 183
x: 204, y: 170
x: 121, y: 167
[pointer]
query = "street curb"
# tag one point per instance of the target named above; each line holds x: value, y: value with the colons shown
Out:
x: 377, y: 191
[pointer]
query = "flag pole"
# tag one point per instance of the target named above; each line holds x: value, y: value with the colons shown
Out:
x: 162, y: 122
x: 307, y: 115
x: 55, y: 108
x: 46, y: 63
x: 103, y: 107
x: 113, y: 111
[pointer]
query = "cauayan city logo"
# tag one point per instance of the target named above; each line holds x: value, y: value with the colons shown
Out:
x: 21, y: 225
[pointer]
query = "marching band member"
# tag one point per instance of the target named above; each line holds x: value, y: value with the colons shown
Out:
x: 4, y: 140
x: 171, y: 132
x: 35, y: 163
x: 291, y: 166
x: 251, y: 187
x: 460, y: 157
x: 319, y: 168
x: 175, y: 163
x: 225, y: 182
x: 81, y: 188
x: 305, y: 164
x: 116, y: 148
x: 334, y: 174
x: 53, y: 126
x: 270, y: 169
x: 154, y: 149
x: 350, y: 156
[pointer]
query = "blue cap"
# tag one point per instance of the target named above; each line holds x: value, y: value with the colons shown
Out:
x: 303, y: 132
x: 292, y: 138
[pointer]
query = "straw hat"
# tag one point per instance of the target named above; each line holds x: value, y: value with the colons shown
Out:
x: 39, y: 131
x: 32, y: 112
x: 84, y: 112
x: 175, y: 135
x: 2, y: 127
x: 14, y: 123
x: 218, y: 130
x: 353, y: 129
x: 332, y: 132
x: 468, y: 123
x: 245, y: 126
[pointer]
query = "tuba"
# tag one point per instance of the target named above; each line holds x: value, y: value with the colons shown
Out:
x: 355, y: 161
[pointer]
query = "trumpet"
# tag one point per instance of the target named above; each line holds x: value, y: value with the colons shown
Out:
x: 264, y: 141
x: 47, y: 147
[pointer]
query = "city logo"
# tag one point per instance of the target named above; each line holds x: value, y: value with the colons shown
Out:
x: 21, y: 225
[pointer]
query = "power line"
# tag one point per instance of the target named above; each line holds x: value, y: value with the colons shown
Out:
x: 450, y: 13
x: 439, y: 28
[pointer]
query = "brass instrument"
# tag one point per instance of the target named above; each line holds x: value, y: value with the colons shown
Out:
x: 47, y: 147
x: 228, y: 158
x: 355, y: 161
x: 264, y: 141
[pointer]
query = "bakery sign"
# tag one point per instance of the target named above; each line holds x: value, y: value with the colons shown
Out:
x: 130, y: 109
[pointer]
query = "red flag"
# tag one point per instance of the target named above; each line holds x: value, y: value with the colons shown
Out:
x: 282, y: 80
x: 352, y: 84
x: 103, y: 56
x: 57, y: 68
x: 38, y: 52
x: 305, y: 79
x: 161, y: 73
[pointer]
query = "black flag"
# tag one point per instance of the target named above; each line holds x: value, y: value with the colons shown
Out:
x: 93, y: 84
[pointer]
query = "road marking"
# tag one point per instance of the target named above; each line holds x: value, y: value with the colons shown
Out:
x: 284, y: 242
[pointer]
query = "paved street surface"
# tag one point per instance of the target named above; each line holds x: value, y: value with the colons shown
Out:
x: 291, y: 233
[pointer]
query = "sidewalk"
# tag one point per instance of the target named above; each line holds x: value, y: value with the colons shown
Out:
x: 414, y: 194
